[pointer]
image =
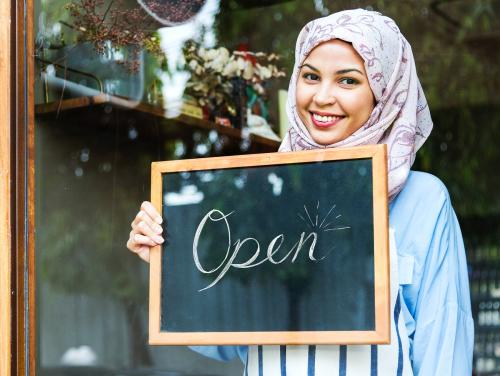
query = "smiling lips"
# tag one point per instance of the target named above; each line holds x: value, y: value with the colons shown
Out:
x: 322, y: 120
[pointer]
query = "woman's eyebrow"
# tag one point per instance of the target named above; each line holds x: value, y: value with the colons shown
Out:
x: 342, y: 71
x: 310, y: 67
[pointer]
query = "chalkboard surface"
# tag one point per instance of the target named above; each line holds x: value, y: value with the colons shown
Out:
x: 271, y: 246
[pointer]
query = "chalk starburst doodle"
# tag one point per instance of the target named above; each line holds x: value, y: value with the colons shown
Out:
x: 323, y: 225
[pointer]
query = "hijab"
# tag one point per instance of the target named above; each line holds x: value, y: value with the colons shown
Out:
x: 400, y: 118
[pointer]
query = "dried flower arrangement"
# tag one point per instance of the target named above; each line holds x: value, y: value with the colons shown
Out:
x: 218, y: 74
x: 117, y: 25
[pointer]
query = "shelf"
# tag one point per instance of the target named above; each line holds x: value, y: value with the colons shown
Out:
x: 74, y: 104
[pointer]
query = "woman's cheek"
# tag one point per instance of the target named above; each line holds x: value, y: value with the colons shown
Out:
x: 358, y: 102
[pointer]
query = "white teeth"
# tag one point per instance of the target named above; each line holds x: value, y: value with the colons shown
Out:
x: 324, y: 119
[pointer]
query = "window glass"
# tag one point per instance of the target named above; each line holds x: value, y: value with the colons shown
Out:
x: 122, y: 83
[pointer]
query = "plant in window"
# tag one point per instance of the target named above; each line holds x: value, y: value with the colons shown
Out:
x: 117, y: 26
x: 222, y: 81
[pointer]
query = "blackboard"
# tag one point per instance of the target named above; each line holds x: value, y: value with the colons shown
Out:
x: 278, y: 248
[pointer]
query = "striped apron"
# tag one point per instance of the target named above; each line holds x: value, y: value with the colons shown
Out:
x: 341, y: 360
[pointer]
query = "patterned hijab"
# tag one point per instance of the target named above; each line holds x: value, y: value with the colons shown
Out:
x: 401, y: 117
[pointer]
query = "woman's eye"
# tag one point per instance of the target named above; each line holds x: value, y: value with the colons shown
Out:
x: 310, y: 76
x: 348, y: 81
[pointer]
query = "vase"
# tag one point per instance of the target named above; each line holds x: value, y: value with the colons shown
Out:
x: 240, y: 119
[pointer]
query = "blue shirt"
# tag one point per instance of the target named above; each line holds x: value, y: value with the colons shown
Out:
x: 433, y: 278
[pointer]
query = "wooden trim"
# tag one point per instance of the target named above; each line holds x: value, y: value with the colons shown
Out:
x: 23, y: 110
x: 29, y: 156
x: 381, y: 334
x: 155, y: 257
x: 5, y: 191
x: 381, y: 242
x: 267, y: 159
x: 20, y: 82
x: 269, y: 338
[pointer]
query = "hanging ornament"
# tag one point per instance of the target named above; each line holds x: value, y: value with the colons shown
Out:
x: 172, y: 12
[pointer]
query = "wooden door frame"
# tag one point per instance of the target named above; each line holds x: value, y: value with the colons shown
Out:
x: 5, y: 190
x: 17, y: 315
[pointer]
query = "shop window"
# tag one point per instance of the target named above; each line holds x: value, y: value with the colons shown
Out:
x: 119, y: 84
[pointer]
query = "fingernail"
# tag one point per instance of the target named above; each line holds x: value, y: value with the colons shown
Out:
x: 159, y: 220
x: 158, y: 239
x: 158, y: 229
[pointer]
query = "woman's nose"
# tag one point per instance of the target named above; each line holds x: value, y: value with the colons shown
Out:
x: 324, y: 96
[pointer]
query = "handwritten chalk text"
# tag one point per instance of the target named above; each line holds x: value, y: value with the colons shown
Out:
x: 229, y: 259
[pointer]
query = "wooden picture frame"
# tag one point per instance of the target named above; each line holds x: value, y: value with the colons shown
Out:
x: 380, y: 334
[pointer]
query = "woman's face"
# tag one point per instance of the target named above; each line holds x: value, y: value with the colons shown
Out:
x: 334, y: 98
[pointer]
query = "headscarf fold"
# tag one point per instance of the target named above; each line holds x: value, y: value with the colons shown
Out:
x: 400, y: 118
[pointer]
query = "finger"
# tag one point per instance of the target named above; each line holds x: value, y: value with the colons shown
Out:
x: 143, y: 216
x: 142, y: 228
x: 131, y: 244
x: 144, y: 254
x: 152, y: 212
x: 144, y: 240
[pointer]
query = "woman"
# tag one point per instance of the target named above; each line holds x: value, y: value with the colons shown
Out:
x: 355, y: 83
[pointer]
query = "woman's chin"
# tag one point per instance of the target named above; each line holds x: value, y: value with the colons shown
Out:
x: 323, y: 138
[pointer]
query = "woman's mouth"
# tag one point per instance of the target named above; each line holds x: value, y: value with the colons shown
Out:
x: 325, y: 121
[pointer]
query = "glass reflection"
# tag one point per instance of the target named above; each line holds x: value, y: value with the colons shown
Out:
x: 100, y: 121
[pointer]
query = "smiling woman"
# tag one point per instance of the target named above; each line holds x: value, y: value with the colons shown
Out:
x: 383, y: 102
x: 354, y: 83
x: 334, y: 98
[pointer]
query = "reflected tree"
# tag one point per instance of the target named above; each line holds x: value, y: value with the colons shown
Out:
x: 84, y: 218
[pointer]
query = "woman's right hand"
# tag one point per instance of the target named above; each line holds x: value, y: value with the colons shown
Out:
x: 146, y: 231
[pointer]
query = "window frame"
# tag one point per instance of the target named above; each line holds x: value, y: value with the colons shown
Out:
x: 5, y: 192
x: 17, y: 277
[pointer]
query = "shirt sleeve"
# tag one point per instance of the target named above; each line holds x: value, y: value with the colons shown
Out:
x: 442, y: 333
x: 224, y: 353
